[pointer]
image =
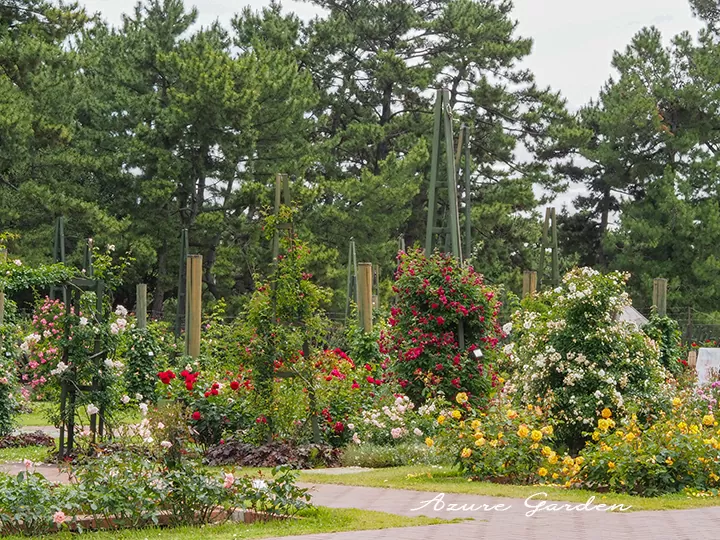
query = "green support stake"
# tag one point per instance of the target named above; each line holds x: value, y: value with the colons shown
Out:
x: 88, y: 259
x: 549, y: 241
x: 182, y: 277
x: 59, y: 256
x: 282, y: 191
x: 468, y: 196
x: 555, y: 261
x: 352, y: 284
x: 448, y: 212
x: 435, y: 157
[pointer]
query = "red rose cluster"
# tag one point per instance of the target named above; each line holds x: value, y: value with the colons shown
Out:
x: 166, y: 376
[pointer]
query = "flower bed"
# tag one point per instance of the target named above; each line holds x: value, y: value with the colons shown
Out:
x: 125, y: 491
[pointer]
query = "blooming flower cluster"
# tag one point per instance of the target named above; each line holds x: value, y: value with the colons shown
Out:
x: 436, y: 297
x: 573, y: 353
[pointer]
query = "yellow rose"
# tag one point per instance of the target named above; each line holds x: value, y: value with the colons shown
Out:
x: 606, y: 413
x: 568, y: 461
x: 475, y: 424
x: 547, y: 430
x: 542, y: 471
x: 429, y: 442
x: 579, y: 460
x: 523, y: 431
x: 456, y: 414
x: 536, y: 435
x: 694, y: 429
x: 552, y: 459
x: 466, y: 453
x: 511, y: 414
x: 596, y: 436
x: 603, y: 424
x: 546, y: 451
x: 555, y: 476
x: 530, y: 407
x: 611, y: 465
x: 629, y: 437
x: 682, y: 426
x: 501, y: 380
x: 714, y: 477
x: 500, y: 435
x: 480, y: 442
x: 461, y: 398
x: 669, y: 461
x: 479, y: 435
x: 708, y: 420
x: 676, y: 401
x: 440, y: 419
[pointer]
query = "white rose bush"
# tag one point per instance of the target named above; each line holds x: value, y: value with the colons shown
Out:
x: 572, y: 357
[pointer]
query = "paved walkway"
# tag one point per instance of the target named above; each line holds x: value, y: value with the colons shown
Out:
x: 511, y: 523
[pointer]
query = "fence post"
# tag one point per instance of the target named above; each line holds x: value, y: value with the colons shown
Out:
x: 365, y: 295
x: 529, y: 283
x: 193, y: 305
x: 660, y: 295
x: 141, y: 306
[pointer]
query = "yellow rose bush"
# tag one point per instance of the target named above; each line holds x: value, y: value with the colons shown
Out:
x: 679, y: 451
x: 503, y: 443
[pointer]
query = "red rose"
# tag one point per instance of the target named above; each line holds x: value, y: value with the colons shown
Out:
x: 355, y: 385
x: 196, y: 415
x: 370, y: 380
x: 368, y: 367
x: 234, y: 385
x: 207, y: 394
x: 339, y: 427
x: 189, y: 385
x: 214, y: 391
x: 440, y: 320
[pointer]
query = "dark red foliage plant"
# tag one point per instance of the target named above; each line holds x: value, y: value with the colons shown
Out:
x: 433, y: 295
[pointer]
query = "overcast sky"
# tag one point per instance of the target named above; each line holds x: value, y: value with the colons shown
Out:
x: 574, y: 39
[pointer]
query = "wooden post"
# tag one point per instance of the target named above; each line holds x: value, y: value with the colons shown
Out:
x: 193, y: 305
x: 529, y: 283
x: 365, y: 295
x: 660, y: 295
x: 141, y: 305
x: 3, y: 260
x: 692, y: 359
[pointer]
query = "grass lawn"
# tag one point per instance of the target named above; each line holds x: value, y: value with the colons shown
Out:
x: 38, y: 416
x: 322, y: 520
x: 447, y: 480
x: 38, y: 454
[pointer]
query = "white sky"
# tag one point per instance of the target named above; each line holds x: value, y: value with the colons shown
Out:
x: 574, y: 39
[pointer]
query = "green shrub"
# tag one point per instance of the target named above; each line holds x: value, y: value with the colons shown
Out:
x: 377, y: 456
x: 666, y: 333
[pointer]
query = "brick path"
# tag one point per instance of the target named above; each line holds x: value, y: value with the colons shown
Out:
x: 694, y: 524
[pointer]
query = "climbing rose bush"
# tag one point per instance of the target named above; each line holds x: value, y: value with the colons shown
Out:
x: 433, y: 295
x: 573, y: 355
